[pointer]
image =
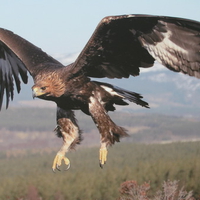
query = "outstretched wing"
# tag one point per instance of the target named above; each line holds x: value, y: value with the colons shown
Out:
x: 121, y: 45
x: 17, y: 55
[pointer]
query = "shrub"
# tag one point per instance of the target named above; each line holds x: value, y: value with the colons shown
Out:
x: 130, y: 190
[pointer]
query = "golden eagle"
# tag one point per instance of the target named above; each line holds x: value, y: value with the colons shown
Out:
x: 118, y: 48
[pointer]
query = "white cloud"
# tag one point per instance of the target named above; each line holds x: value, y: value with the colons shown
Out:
x: 157, y: 67
x: 66, y: 59
x: 188, y: 82
x: 160, y: 77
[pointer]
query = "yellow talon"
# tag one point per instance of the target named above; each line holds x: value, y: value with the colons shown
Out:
x: 102, y: 156
x: 58, y: 161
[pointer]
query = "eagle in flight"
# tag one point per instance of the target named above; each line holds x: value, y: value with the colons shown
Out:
x: 118, y: 48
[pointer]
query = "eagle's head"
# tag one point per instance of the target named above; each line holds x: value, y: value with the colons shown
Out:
x: 41, y: 91
x: 48, y: 87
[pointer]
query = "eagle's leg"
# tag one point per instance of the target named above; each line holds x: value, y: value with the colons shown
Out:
x: 110, y: 132
x: 68, y: 129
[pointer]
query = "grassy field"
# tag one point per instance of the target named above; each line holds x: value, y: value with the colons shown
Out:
x: 28, y: 146
x: 29, y: 175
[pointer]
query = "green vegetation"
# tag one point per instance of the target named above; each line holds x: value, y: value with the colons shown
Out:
x: 21, y: 175
x: 28, y: 146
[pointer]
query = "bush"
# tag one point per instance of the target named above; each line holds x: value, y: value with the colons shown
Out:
x: 130, y: 190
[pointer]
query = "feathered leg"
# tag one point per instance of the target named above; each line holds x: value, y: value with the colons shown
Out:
x: 110, y: 132
x: 68, y: 129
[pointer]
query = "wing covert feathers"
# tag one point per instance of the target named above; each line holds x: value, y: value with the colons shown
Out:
x: 120, y: 45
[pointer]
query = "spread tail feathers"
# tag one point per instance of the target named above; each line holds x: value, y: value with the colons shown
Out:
x: 131, y: 96
x: 124, y: 94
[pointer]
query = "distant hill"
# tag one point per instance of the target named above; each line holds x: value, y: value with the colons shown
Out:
x: 32, y: 128
x: 165, y: 91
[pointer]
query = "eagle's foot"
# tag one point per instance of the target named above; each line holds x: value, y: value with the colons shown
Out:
x: 58, y: 161
x: 102, y: 156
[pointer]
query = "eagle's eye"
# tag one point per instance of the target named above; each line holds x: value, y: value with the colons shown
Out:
x: 43, y: 88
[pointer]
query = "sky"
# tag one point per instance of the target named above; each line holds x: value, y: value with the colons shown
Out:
x: 65, y: 26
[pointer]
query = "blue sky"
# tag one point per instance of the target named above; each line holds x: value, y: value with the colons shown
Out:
x: 64, y: 26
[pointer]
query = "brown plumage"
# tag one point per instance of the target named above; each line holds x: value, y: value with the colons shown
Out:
x: 118, y: 48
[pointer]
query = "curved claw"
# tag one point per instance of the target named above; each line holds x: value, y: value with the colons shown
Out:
x: 58, y: 167
x: 68, y: 166
x: 101, y: 165
x: 54, y: 170
x: 67, y: 162
x: 57, y: 162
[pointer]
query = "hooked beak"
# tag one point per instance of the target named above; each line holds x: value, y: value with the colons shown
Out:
x: 36, y: 92
x: 34, y: 95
